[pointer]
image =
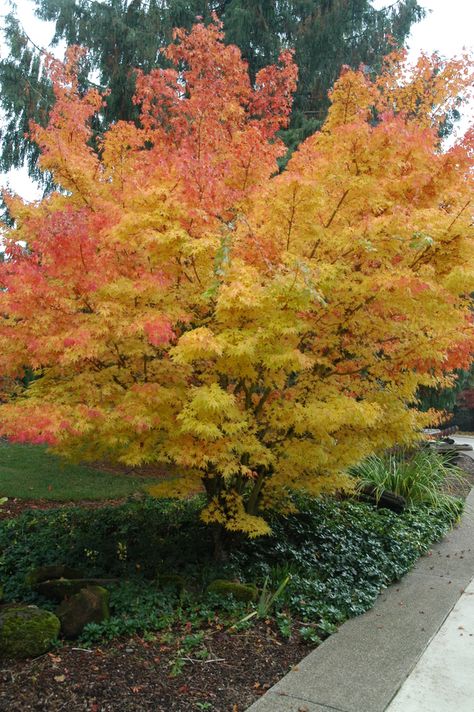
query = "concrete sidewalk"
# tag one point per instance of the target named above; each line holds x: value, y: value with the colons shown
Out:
x: 443, y: 678
x: 408, y: 632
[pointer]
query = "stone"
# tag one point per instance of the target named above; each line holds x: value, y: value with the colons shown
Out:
x: 240, y: 591
x: 26, y: 631
x: 55, y: 571
x: 58, y: 589
x: 90, y: 605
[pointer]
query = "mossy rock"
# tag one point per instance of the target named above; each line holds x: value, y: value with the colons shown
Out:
x: 26, y: 631
x: 90, y: 605
x: 48, y: 573
x: 240, y: 591
x: 171, y: 581
x: 59, y: 589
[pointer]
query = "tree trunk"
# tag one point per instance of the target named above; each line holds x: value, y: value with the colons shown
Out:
x: 220, y: 550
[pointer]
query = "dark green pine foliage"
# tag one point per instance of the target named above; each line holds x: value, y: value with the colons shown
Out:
x: 122, y: 35
x: 25, y: 95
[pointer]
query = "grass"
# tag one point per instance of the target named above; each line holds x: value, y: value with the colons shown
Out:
x: 421, y: 478
x: 30, y: 472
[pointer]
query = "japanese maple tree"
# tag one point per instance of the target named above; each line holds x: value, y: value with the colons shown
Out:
x: 181, y: 302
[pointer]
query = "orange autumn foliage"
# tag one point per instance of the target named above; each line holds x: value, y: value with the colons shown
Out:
x: 182, y: 302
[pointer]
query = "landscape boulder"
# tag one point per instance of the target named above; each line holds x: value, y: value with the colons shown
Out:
x: 90, y: 605
x: 240, y: 591
x: 26, y: 631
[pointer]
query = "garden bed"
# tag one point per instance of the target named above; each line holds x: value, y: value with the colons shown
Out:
x: 176, y: 648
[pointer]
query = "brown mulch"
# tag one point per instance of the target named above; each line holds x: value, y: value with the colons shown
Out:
x: 461, y: 488
x: 14, y: 507
x: 135, y: 675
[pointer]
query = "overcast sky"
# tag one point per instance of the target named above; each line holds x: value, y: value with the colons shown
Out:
x: 447, y: 29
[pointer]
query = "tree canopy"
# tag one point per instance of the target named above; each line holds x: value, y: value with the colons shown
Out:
x: 121, y: 35
x: 179, y: 301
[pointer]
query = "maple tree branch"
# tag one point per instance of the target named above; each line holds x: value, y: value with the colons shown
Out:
x: 96, y: 364
x: 246, y: 174
x: 292, y: 217
x: 459, y: 214
x: 343, y: 197
x: 248, y: 396
x: 329, y: 222
x: 446, y: 242
x: 70, y: 177
x: 193, y: 264
x: 285, y: 305
x: 262, y: 401
x: 119, y: 382
x: 341, y: 256
x: 350, y: 312
x: 81, y: 252
x: 183, y: 271
x: 347, y: 373
x: 122, y: 360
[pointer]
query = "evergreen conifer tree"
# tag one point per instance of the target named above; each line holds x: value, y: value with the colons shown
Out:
x: 122, y: 35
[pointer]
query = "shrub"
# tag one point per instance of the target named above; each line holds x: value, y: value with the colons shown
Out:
x: 339, y: 554
x: 240, y: 591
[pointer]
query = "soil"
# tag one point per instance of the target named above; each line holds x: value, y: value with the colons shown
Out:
x: 134, y: 675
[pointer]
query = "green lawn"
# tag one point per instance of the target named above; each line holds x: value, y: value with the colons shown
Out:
x: 29, y: 472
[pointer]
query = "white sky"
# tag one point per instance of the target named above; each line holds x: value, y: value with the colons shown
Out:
x: 448, y: 29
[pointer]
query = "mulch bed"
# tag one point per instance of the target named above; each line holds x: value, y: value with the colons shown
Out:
x: 135, y: 675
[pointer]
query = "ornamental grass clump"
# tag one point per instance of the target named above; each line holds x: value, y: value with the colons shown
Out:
x: 421, y: 478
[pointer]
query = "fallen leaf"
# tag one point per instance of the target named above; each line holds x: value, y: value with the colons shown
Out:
x: 60, y: 678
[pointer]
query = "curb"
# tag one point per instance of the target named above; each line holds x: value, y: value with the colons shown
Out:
x: 362, y: 666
